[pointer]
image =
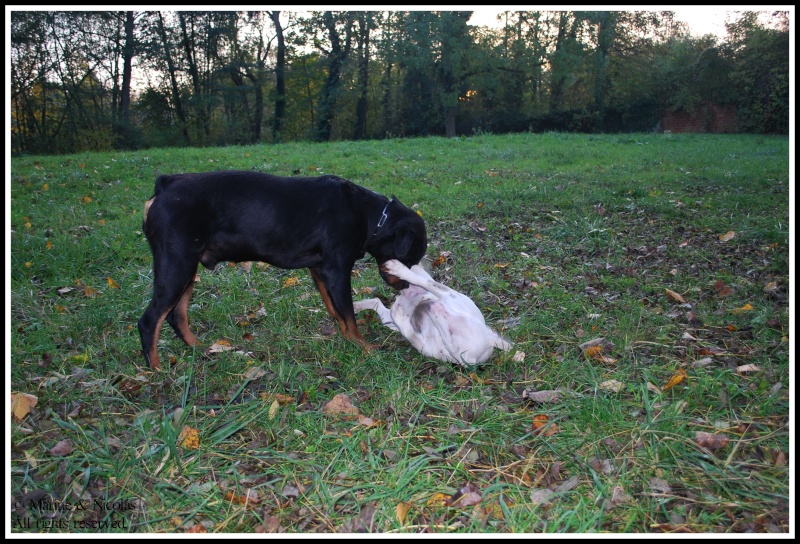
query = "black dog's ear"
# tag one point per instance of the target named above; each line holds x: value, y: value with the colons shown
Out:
x: 402, y: 243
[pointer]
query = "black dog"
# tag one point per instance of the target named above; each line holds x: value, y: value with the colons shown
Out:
x: 324, y: 224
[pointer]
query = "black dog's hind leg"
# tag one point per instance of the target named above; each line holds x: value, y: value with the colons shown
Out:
x: 178, y: 318
x: 173, y: 281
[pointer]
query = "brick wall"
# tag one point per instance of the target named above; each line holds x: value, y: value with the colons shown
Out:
x: 707, y: 117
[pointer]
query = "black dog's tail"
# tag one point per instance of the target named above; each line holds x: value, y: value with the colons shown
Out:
x: 162, y: 183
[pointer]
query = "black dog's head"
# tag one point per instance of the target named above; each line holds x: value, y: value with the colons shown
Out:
x: 402, y: 237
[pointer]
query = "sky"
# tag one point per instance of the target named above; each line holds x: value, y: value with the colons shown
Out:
x: 701, y: 19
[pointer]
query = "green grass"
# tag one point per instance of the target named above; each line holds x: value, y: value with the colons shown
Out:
x: 559, y: 239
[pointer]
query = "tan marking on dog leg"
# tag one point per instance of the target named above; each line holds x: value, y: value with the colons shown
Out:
x: 326, y: 297
x: 155, y: 362
x: 348, y: 327
x: 182, y: 317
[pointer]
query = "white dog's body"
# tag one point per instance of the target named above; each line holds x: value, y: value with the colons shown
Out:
x: 438, y: 321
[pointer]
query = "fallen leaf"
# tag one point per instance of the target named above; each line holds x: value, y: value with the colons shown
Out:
x: 660, y: 486
x: 771, y: 286
x: 675, y: 296
x: 746, y: 308
x: 197, y: 528
x: 401, y: 511
x: 611, y: 385
x: 90, y: 292
x: 542, y: 425
x: 189, y: 438
x: 468, y: 495
x: 253, y: 372
x: 653, y: 388
x: 438, y: 499
x: 273, y: 409
x: 219, y: 346
x: 542, y: 396
x: 519, y: 357
x: 250, y: 498
x: 730, y: 235
x: 678, y: 377
x: 595, y: 352
x: 21, y: 404
x: 340, y: 405
x: 541, y: 496
x: 592, y: 342
x: 722, y: 289
x: 567, y: 485
x: 271, y: 524
x: 705, y: 361
x: 291, y: 281
x: 112, y: 284
x: 618, y: 496
x: 744, y: 369
x: 63, y: 448
x: 711, y: 441
x: 370, y: 423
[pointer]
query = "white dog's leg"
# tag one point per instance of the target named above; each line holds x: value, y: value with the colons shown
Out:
x: 416, y: 275
x: 377, y: 306
x: 502, y: 343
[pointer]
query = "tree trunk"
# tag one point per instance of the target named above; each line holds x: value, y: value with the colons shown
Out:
x: 280, y: 79
x: 127, y: 68
x: 191, y: 61
x: 176, y: 95
x: 327, y: 99
x: 364, y: 23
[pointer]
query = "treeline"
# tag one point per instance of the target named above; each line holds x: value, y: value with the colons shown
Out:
x: 128, y: 80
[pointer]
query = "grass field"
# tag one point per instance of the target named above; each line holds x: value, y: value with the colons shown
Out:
x: 673, y: 249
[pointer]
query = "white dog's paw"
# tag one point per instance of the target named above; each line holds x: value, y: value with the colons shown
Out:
x: 395, y: 268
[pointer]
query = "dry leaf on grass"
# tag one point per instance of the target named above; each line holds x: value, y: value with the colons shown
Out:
x: 711, y: 441
x: 63, y: 448
x: 468, y: 495
x: 542, y: 396
x: 401, y: 511
x: 678, y: 377
x: 21, y: 404
x: 730, y: 235
x: 339, y: 405
x: 219, y: 346
x: 744, y: 369
x: 677, y: 297
x: 612, y: 385
x: 541, y: 425
x: 189, y: 438
x: 746, y: 308
x: 541, y: 496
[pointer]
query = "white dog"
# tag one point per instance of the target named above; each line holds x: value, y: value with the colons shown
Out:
x: 440, y: 322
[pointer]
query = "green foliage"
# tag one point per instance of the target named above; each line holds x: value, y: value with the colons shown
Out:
x: 208, y: 78
x: 761, y: 76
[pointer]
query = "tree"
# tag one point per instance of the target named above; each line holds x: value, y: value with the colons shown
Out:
x: 761, y: 73
x: 177, y: 100
x: 280, y: 78
x: 334, y: 24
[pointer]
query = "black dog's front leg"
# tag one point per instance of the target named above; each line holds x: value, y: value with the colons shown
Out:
x: 334, y: 286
